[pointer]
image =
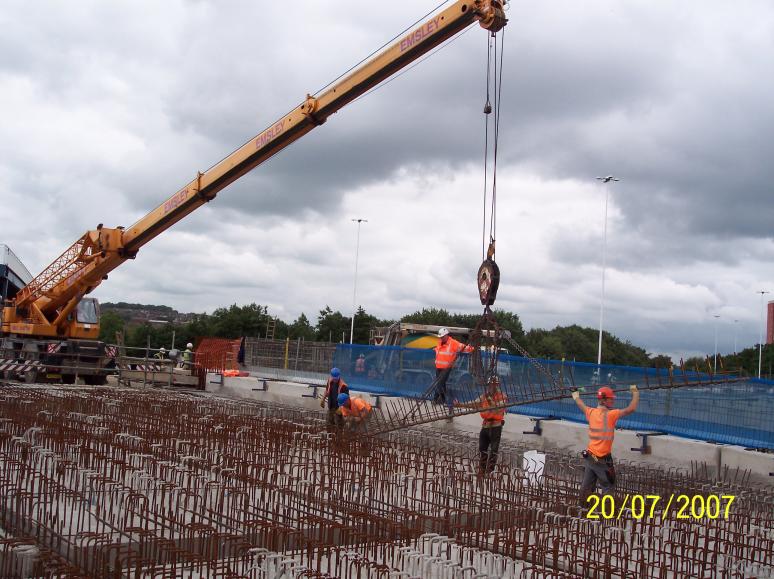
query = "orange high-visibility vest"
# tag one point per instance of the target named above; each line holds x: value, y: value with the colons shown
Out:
x: 601, y: 430
x: 446, y: 353
x: 358, y: 408
x: 497, y: 415
x: 343, y: 388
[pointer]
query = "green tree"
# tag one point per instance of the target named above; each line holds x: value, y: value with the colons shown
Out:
x: 199, y: 326
x: 581, y: 344
x: 745, y: 362
x: 282, y: 331
x: 441, y: 317
x: 697, y: 362
x: 109, y: 324
x: 578, y: 343
x: 661, y: 361
x: 331, y: 326
x: 550, y: 346
x: 301, y: 328
x: 511, y: 322
x: 364, y: 323
x: 430, y: 316
x: 138, y: 336
x: 237, y: 321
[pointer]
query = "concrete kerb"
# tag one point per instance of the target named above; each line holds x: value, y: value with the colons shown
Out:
x: 666, y: 451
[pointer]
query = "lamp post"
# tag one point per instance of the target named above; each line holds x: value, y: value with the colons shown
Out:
x: 715, y: 363
x: 760, y: 341
x: 606, y: 181
x: 354, y: 291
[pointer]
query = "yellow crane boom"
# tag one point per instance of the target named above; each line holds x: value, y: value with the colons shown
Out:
x: 45, y: 306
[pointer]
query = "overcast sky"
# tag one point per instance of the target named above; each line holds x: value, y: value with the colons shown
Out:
x: 108, y: 108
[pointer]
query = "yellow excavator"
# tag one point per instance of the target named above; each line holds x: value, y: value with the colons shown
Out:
x: 52, y: 323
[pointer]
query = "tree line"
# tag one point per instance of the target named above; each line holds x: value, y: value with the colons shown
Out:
x: 572, y: 343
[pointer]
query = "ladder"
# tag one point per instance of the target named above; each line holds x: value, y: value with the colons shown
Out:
x: 271, y: 327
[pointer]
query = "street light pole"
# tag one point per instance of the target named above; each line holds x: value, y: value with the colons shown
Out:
x: 715, y: 364
x: 760, y: 341
x: 606, y: 181
x: 354, y: 291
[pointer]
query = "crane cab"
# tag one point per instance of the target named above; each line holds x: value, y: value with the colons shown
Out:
x: 84, y: 322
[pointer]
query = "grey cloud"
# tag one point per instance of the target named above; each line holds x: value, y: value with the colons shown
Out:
x: 674, y: 99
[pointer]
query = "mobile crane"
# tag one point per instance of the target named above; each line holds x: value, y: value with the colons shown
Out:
x: 51, y: 321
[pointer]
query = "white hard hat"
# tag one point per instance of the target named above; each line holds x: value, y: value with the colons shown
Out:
x: 162, y: 349
x: 189, y: 345
x: 443, y: 332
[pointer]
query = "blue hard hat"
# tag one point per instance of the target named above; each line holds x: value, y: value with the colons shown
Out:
x: 335, y: 373
x: 342, y: 399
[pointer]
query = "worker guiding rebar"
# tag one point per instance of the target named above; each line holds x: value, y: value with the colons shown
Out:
x: 98, y: 482
x: 353, y: 411
x: 445, y: 356
x: 493, y: 418
x: 598, y: 458
x: 334, y: 389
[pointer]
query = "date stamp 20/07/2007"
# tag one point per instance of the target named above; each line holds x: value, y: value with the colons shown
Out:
x: 678, y: 506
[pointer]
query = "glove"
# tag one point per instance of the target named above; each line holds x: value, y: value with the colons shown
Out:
x: 575, y: 394
x: 633, y: 388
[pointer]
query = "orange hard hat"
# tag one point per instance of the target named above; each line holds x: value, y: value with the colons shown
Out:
x: 605, y: 392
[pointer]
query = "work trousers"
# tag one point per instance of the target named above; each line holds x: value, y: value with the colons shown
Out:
x: 352, y: 425
x: 599, y: 470
x: 335, y: 419
x: 441, y: 376
x: 488, y: 445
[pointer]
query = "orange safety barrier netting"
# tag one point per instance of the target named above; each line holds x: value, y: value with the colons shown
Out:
x: 217, y: 355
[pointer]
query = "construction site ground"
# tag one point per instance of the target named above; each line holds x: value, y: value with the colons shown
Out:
x: 244, y: 480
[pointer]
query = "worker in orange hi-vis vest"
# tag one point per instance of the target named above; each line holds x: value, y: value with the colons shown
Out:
x: 333, y: 388
x: 360, y: 366
x: 493, y: 419
x: 598, y: 455
x: 354, y: 411
x: 445, y: 354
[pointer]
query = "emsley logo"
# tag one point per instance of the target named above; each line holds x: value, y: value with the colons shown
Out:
x: 269, y: 134
x: 175, y: 201
x: 420, y: 34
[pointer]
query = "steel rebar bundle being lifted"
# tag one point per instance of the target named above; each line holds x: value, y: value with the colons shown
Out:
x: 127, y: 483
x: 538, y: 384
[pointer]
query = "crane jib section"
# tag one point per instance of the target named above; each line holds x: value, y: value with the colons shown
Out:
x: 313, y: 112
x: 77, y: 272
x: 420, y: 34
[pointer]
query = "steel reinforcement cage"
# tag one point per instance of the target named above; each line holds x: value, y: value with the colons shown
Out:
x: 739, y: 413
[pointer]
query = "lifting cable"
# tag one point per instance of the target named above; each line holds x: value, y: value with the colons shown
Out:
x: 489, y: 273
x: 488, y: 333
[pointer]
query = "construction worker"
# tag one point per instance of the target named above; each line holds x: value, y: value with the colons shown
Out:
x: 598, y: 455
x: 161, y: 354
x: 354, y: 411
x: 445, y: 354
x: 493, y: 420
x: 333, y: 389
x: 360, y: 364
x: 187, y: 356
